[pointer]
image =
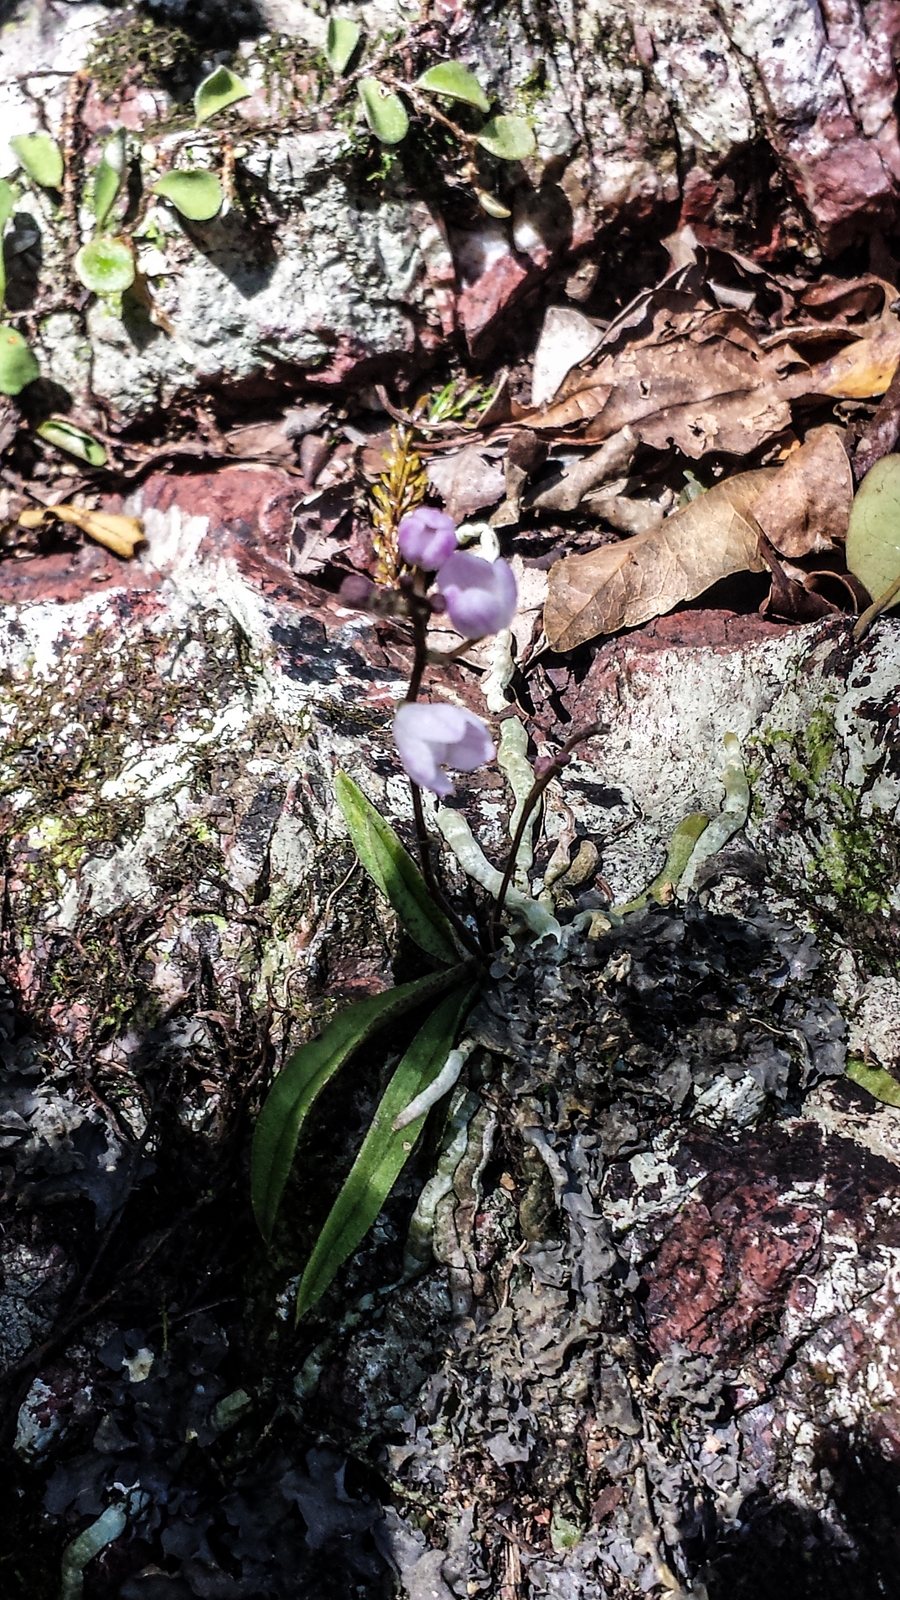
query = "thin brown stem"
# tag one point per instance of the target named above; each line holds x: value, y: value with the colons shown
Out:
x: 537, y: 788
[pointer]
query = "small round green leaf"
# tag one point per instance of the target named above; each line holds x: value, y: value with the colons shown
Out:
x: 510, y: 138
x: 456, y: 82
x: 196, y: 194
x: 385, y: 112
x: 105, y: 265
x: 873, y: 537
x: 343, y: 37
x: 108, y: 176
x: 222, y: 88
x: 18, y: 366
x: 65, y: 436
x: 40, y: 156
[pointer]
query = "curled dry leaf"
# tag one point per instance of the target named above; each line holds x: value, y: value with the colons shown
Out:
x: 564, y: 493
x: 622, y: 585
x: 119, y: 534
x: 703, y: 390
x: 789, y: 596
x: 807, y: 507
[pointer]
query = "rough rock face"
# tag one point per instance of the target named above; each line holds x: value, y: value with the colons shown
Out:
x: 325, y: 269
x: 667, y: 1249
x: 642, y: 1335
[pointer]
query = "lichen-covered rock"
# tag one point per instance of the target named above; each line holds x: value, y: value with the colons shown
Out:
x: 665, y: 1252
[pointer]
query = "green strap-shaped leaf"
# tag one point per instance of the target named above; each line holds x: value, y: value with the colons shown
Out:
x: 456, y: 82
x: 196, y: 194
x: 384, y: 1153
x: 222, y: 88
x: 879, y: 1082
x: 342, y: 39
x: 109, y: 175
x: 18, y: 365
x: 105, y: 265
x: 385, y: 112
x: 299, y: 1084
x: 510, y: 138
x: 41, y: 158
x: 65, y: 436
x: 394, y: 872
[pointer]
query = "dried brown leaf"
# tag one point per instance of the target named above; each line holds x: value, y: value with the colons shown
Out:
x: 467, y: 481
x: 807, y: 507
x: 680, y: 372
x: 622, y: 585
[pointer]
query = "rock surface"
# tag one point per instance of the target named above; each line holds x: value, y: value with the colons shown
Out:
x: 324, y: 270
x: 656, y: 1349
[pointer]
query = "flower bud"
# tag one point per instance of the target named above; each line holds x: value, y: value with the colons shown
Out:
x: 431, y: 738
x: 426, y: 537
x: 480, y: 595
x: 356, y: 591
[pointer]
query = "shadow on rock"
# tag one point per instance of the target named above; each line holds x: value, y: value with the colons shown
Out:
x: 849, y: 1552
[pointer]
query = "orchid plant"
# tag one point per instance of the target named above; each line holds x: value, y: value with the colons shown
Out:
x: 433, y: 739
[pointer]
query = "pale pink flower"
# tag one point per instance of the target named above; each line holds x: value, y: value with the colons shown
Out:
x: 426, y: 537
x: 431, y: 738
x: 480, y: 595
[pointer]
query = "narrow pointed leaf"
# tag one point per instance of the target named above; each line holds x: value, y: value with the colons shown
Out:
x: 7, y: 203
x: 456, y: 82
x: 394, y: 872
x: 342, y: 39
x: 197, y: 195
x: 384, y: 1153
x: 385, y: 112
x: 222, y: 88
x: 18, y: 365
x: 65, y: 436
x: 41, y: 158
x: 105, y: 265
x: 310, y: 1068
x: 108, y: 177
x: 510, y: 138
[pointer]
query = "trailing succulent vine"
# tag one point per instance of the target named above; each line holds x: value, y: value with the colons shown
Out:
x: 105, y: 263
x: 113, y: 207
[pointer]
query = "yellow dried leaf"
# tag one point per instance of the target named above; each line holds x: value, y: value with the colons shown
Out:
x: 119, y: 534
